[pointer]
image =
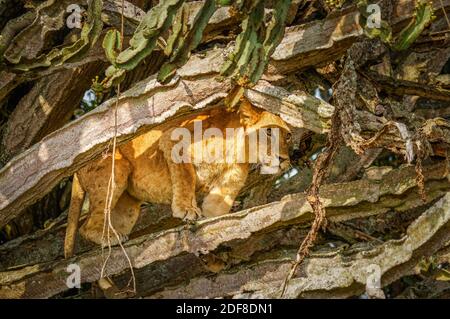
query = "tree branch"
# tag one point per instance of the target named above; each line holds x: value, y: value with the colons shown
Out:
x: 338, y: 273
x: 397, y: 190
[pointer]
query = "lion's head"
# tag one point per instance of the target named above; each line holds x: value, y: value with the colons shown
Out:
x: 269, y: 130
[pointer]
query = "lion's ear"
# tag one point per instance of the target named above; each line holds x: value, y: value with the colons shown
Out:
x: 247, y: 113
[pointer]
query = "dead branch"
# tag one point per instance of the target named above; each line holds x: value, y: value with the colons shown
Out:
x: 47, y: 107
x: 337, y: 273
x: 403, y: 87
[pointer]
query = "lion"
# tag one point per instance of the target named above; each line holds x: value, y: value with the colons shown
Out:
x: 146, y: 170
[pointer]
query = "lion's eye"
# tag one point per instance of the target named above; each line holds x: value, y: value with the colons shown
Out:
x: 269, y: 132
x: 288, y: 136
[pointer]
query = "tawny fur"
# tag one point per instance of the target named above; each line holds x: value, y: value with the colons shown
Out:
x: 145, y: 172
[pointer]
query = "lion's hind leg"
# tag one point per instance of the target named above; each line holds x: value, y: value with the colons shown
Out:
x: 125, y: 214
x: 96, y: 179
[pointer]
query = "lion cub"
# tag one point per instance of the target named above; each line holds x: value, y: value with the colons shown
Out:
x: 147, y: 169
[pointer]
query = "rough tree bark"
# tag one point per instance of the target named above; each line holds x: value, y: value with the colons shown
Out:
x: 386, y: 197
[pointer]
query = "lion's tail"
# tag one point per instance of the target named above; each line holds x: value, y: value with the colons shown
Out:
x: 76, y: 204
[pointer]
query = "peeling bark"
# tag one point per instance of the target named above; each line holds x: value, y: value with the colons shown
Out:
x: 389, y: 105
x: 343, y: 202
x: 337, y: 273
x: 47, y: 107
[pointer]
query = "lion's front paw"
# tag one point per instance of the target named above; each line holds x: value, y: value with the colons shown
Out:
x: 100, y: 237
x: 186, y: 212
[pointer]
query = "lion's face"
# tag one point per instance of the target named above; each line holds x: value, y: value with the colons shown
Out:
x: 273, y: 136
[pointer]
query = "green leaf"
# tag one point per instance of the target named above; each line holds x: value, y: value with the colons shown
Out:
x: 111, y: 45
x: 423, y: 17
